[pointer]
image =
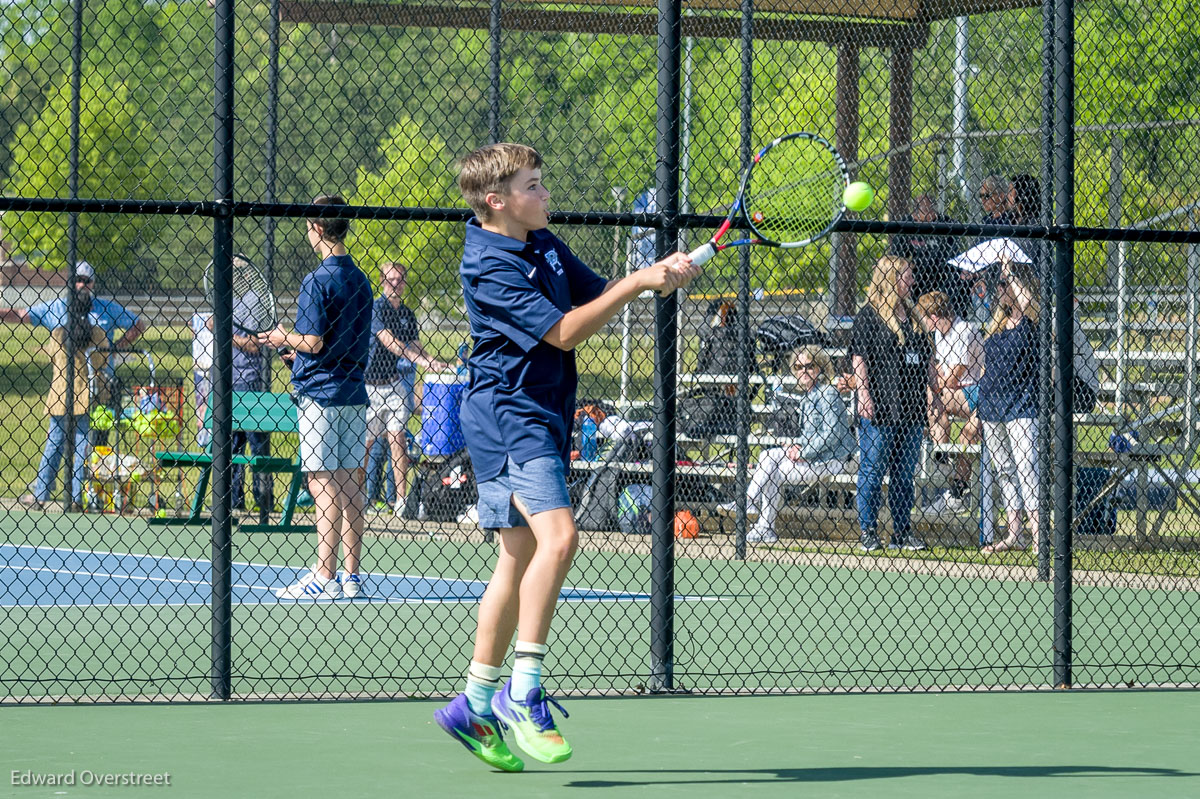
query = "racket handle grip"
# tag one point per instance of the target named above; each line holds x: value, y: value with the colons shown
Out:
x: 702, y: 255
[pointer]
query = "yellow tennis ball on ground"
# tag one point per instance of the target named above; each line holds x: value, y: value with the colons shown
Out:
x: 858, y: 196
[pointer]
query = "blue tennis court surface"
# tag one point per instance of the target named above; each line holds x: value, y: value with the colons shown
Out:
x: 56, y: 577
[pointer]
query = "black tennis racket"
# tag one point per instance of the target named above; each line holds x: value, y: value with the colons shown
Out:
x: 254, y: 307
x: 790, y: 196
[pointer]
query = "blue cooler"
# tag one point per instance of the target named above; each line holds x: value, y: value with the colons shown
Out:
x: 441, y: 432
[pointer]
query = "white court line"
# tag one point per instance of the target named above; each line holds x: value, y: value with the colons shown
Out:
x: 294, y: 568
x: 127, y: 576
x: 615, y: 596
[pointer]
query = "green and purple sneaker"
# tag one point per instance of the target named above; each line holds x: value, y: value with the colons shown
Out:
x: 532, y: 723
x: 480, y: 734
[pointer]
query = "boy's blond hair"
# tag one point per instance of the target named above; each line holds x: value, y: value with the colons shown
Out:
x: 489, y: 169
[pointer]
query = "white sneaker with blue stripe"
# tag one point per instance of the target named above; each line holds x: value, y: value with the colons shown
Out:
x: 352, y: 585
x: 311, y: 586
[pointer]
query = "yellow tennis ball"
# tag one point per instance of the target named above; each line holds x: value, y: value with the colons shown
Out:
x: 858, y: 196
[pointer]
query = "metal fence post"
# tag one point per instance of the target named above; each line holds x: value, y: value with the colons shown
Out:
x: 494, y: 70
x: 269, y: 175
x: 1064, y: 318
x: 1045, y: 437
x: 662, y: 582
x: 69, y: 453
x: 223, y: 155
x: 745, y: 343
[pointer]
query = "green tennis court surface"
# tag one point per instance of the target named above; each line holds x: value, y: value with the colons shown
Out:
x: 817, y: 623
x: 1082, y: 744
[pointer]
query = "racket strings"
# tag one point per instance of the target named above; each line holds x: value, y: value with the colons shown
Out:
x: 253, y: 300
x: 254, y: 307
x: 795, y: 194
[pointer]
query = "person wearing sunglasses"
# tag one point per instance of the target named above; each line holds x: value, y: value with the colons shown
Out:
x: 815, y: 418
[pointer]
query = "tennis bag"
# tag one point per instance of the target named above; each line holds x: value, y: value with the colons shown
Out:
x: 444, y: 489
x: 633, y: 509
x: 708, y: 411
x: 779, y: 335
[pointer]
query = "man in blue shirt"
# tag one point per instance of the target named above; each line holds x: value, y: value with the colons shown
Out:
x: 331, y: 340
x: 93, y: 312
x: 530, y: 302
x: 396, y: 351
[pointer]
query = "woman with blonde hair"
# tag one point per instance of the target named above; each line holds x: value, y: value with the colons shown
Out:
x: 1008, y: 401
x: 815, y: 419
x: 893, y: 368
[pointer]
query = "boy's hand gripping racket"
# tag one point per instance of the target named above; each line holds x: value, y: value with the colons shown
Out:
x: 790, y: 196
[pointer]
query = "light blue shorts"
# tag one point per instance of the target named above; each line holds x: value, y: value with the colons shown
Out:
x: 540, y: 483
x: 331, y: 438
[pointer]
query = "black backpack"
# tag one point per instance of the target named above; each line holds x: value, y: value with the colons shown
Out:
x: 779, y: 335
x: 445, y: 488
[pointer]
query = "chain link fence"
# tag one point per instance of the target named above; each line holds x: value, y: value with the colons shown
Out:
x: 952, y: 446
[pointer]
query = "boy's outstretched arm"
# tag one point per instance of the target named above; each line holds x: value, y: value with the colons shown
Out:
x: 673, y: 272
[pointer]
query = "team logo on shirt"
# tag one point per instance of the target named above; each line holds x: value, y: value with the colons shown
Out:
x: 552, y: 260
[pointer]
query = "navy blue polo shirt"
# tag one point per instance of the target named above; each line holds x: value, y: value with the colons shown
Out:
x: 520, y: 401
x: 335, y: 304
x: 1008, y: 389
x: 384, y: 366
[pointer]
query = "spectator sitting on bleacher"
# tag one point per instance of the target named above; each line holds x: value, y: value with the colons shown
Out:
x: 958, y: 358
x: 815, y: 418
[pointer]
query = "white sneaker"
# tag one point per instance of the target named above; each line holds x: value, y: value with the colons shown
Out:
x: 947, y: 503
x: 352, y: 585
x: 757, y: 535
x: 311, y: 586
x: 398, y: 510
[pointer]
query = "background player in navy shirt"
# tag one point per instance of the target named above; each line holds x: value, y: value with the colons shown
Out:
x: 530, y: 302
x: 396, y: 350
x: 331, y: 340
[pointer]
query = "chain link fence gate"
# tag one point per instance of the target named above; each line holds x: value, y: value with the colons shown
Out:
x: 747, y: 453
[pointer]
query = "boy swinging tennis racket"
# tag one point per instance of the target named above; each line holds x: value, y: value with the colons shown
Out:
x: 530, y: 302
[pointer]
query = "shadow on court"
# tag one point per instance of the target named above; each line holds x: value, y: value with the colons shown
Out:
x: 853, y: 773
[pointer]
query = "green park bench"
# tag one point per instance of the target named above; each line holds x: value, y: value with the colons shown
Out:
x: 253, y: 412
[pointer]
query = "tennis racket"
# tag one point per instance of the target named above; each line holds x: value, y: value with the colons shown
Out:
x: 255, y: 310
x: 790, y: 196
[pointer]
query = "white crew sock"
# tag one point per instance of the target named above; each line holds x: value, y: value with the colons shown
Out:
x: 527, y: 668
x: 482, y: 683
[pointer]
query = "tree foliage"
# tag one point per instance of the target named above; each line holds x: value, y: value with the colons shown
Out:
x: 413, y: 171
x: 115, y: 161
x: 378, y: 114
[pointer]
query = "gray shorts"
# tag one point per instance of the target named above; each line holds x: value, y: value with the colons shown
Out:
x: 390, y: 407
x: 331, y: 438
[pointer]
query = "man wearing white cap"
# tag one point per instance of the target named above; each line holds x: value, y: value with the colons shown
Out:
x: 99, y: 318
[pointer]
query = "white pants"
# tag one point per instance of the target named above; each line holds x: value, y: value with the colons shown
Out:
x: 1011, y: 456
x: 773, y: 471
